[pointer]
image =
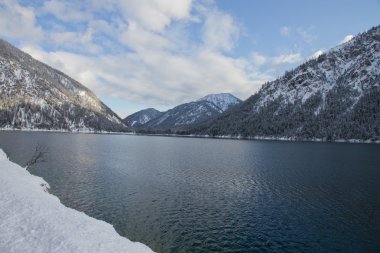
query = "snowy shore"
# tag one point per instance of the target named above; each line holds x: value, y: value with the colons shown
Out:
x: 32, y: 220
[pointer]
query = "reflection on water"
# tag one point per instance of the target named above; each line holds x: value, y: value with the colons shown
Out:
x: 208, y: 195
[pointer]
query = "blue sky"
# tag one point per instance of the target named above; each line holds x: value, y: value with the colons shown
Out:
x: 136, y: 54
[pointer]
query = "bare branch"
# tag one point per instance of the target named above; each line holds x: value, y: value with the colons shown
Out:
x: 38, y: 156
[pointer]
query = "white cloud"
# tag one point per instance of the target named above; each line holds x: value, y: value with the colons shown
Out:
x: 143, y: 53
x: 347, y: 39
x: 152, y: 76
x: 139, y: 38
x: 287, y: 58
x: 285, y: 31
x: 307, y: 34
x: 75, y: 40
x: 263, y: 67
x: 258, y: 59
x: 155, y: 15
x: 220, y: 31
x: 66, y: 11
x: 18, y: 22
x: 135, y: 23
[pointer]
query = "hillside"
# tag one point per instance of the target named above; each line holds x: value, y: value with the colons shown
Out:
x: 139, y: 118
x: 36, y: 96
x: 333, y: 97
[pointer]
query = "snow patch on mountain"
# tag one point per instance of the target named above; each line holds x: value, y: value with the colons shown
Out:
x: 222, y: 100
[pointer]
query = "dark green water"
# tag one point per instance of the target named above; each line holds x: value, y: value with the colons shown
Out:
x: 209, y: 195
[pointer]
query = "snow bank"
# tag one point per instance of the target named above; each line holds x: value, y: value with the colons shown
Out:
x: 32, y: 220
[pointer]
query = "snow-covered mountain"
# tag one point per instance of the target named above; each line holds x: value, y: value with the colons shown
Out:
x: 223, y: 100
x: 36, y: 96
x: 191, y: 114
x: 184, y: 115
x: 141, y: 117
x: 335, y: 96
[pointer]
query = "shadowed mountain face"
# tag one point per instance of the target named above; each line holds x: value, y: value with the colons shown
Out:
x: 36, y: 96
x: 336, y: 96
x: 185, y: 115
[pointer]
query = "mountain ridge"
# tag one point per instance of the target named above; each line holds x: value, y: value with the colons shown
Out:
x: 190, y: 114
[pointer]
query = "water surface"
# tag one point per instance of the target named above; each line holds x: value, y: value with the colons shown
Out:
x: 212, y: 195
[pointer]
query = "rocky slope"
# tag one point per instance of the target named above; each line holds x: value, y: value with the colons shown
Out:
x: 336, y: 96
x: 36, y: 96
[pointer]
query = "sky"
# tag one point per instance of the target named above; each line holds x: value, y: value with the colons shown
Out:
x: 136, y: 54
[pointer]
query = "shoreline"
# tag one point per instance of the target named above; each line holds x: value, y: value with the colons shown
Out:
x: 227, y: 137
x: 36, y: 221
x: 263, y: 138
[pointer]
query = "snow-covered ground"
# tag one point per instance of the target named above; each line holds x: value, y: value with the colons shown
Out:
x: 32, y: 220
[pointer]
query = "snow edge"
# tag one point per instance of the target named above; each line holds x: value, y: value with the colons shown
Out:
x: 61, y: 228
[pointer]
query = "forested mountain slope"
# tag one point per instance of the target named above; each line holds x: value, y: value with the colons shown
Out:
x: 36, y: 96
x: 336, y: 96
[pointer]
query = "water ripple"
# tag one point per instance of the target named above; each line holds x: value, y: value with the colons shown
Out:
x: 204, y: 195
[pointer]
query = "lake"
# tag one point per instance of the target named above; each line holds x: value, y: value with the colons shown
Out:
x: 212, y: 195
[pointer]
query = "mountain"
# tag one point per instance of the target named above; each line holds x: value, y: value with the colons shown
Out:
x: 141, y: 117
x: 223, y: 100
x: 191, y: 114
x: 36, y: 96
x: 335, y: 96
x: 184, y: 115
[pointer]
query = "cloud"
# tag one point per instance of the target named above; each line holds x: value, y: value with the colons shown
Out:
x: 151, y: 76
x: 75, y: 40
x: 347, y: 39
x: 220, y: 31
x: 258, y: 59
x: 155, y: 15
x: 66, y: 11
x: 134, y: 23
x: 263, y: 67
x: 139, y: 38
x: 119, y: 50
x: 307, y: 34
x: 18, y: 22
x: 287, y: 59
x: 285, y: 31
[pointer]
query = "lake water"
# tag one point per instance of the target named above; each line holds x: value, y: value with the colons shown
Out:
x: 212, y: 195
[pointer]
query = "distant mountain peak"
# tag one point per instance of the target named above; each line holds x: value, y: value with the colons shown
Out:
x: 222, y: 100
x: 184, y: 115
x: 141, y: 117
